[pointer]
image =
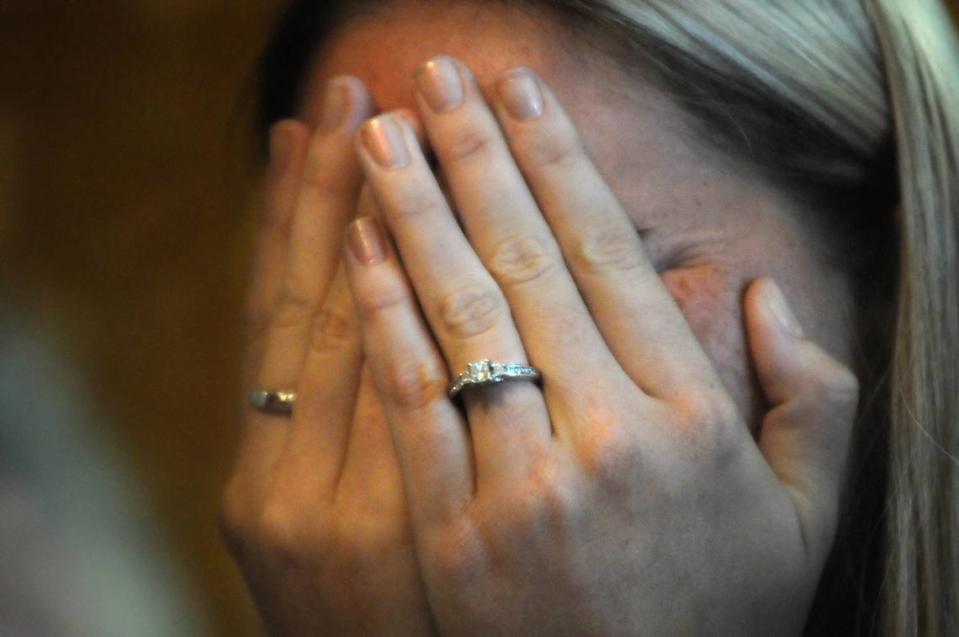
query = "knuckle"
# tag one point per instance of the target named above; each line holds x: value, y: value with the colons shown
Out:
x: 470, y: 312
x: 606, y: 247
x: 294, y: 306
x: 461, y: 553
x: 707, y: 433
x: 522, y: 259
x: 255, y: 324
x: 838, y: 384
x: 282, y: 532
x: 275, y: 221
x: 333, y: 328
x: 372, y: 304
x: 316, y: 175
x: 325, y: 176
x: 558, y: 150
x: 413, y: 204
x: 706, y: 408
x: 414, y: 384
x: 551, y: 496
x: 611, y: 457
x: 258, y: 304
x: 467, y: 145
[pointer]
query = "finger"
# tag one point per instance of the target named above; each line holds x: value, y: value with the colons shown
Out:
x: 640, y: 321
x: 262, y: 439
x: 806, y: 435
x: 367, y: 206
x: 509, y: 233
x: 288, y: 142
x: 371, y: 467
x: 325, y: 193
x: 462, y: 303
x: 315, y: 450
x: 321, y: 429
x: 325, y: 203
x: 413, y: 119
x: 430, y: 434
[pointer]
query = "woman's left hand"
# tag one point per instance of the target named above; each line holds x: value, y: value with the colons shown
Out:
x: 625, y: 494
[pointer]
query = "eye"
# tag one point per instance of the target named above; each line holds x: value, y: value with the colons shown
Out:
x: 664, y: 249
x: 652, y: 243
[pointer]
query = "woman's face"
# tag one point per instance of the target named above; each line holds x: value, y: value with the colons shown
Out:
x: 709, y: 226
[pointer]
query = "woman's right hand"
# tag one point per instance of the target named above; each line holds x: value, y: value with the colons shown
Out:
x: 315, y: 511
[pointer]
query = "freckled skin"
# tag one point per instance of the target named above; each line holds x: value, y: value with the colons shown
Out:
x: 713, y: 227
x: 702, y: 294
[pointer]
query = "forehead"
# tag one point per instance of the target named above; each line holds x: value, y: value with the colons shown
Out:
x: 384, y: 47
x: 636, y: 136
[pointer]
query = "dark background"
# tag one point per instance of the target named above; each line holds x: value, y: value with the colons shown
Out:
x: 126, y: 201
x: 126, y: 216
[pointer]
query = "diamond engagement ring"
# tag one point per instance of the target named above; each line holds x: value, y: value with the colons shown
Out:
x: 486, y: 372
x: 277, y: 403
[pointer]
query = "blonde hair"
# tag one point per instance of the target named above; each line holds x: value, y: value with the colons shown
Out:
x: 841, y: 97
x: 920, y: 52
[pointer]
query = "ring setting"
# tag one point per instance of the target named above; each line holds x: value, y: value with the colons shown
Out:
x: 486, y: 372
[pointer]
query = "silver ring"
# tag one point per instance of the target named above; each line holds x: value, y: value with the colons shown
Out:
x: 278, y: 403
x: 486, y: 372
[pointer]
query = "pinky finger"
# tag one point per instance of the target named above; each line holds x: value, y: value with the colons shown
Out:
x: 429, y: 433
x: 288, y: 144
x: 262, y: 439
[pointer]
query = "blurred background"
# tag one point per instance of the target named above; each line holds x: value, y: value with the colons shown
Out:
x: 127, y: 196
x: 127, y: 201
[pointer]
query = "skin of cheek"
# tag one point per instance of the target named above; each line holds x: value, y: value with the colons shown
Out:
x: 709, y: 292
x: 709, y: 298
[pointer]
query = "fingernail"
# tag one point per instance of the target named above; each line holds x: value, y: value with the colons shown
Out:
x: 777, y: 304
x: 520, y: 93
x: 439, y: 82
x: 383, y: 138
x: 367, y: 242
x: 281, y: 147
x: 335, y: 105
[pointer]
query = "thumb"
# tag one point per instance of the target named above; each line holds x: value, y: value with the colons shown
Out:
x: 806, y: 434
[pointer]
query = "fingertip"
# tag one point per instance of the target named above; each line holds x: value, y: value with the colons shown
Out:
x: 783, y: 354
x: 285, y: 136
x: 773, y: 334
x: 362, y: 107
x: 288, y: 142
x: 339, y: 105
x: 779, y: 307
x: 290, y: 128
